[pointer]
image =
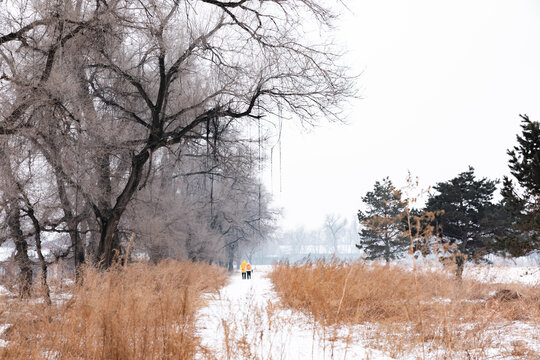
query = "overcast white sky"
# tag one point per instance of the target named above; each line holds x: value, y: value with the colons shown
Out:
x: 442, y: 84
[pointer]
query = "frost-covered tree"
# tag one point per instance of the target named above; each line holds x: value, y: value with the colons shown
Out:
x: 121, y: 80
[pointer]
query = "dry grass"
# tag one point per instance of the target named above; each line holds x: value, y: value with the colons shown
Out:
x: 409, y: 310
x: 136, y: 312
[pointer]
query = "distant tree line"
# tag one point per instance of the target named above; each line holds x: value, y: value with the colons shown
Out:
x: 460, y: 221
x: 335, y: 237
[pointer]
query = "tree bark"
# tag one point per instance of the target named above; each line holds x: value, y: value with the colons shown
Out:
x: 109, y: 244
x: 13, y: 220
x: 78, y: 251
x: 386, y: 243
x: 21, y: 250
x: 72, y: 224
x: 52, y: 154
x: 42, y: 262
x: 460, y: 259
x: 460, y: 263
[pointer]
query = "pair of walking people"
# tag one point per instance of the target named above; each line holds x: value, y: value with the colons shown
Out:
x: 246, y: 269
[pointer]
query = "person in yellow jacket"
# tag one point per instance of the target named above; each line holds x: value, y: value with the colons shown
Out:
x: 243, y: 268
x: 248, y: 270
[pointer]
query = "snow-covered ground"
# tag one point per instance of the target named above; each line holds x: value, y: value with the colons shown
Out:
x: 524, y: 270
x: 529, y: 275
x: 6, y: 250
x: 245, y: 321
x: 246, y: 315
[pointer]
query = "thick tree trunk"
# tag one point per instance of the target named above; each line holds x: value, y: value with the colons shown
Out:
x: 13, y: 220
x: 72, y: 224
x: 42, y: 262
x: 78, y: 252
x: 21, y: 251
x: 90, y: 241
x: 52, y: 155
x: 109, y: 243
x: 43, y: 265
x: 109, y: 246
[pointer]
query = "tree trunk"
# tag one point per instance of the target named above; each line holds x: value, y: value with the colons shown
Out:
x: 387, y: 250
x: 13, y: 220
x: 386, y: 244
x: 231, y: 254
x: 78, y: 253
x: 52, y: 155
x: 21, y: 251
x: 42, y: 262
x: 460, y: 259
x: 72, y: 224
x: 460, y: 263
x: 109, y: 244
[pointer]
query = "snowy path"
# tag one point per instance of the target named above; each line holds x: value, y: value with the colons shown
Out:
x: 244, y: 322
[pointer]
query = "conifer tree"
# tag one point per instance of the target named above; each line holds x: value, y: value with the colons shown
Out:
x: 464, y: 208
x: 382, y: 235
x: 522, y: 204
x: 513, y: 239
x: 525, y: 157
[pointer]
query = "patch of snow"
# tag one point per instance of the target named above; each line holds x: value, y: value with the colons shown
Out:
x: 4, y: 291
x: 529, y: 275
x: 533, y: 259
x: 6, y: 250
x: 3, y: 328
x: 501, y: 271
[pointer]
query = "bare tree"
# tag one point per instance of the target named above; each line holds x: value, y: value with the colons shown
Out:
x: 334, y: 226
x: 206, y: 203
x: 25, y: 202
x: 125, y: 79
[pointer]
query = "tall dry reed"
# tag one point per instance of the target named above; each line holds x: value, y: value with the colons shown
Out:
x: 434, y: 310
x: 140, y: 311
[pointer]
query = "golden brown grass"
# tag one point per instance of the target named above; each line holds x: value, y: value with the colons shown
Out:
x: 409, y: 309
x: 139, y: 311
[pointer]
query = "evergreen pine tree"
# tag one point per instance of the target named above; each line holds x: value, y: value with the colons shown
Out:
x: 525, y: 158
x: 523, y: 210
x: 464, y: 208
x: 382, y: 234
x: 513, y: 237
